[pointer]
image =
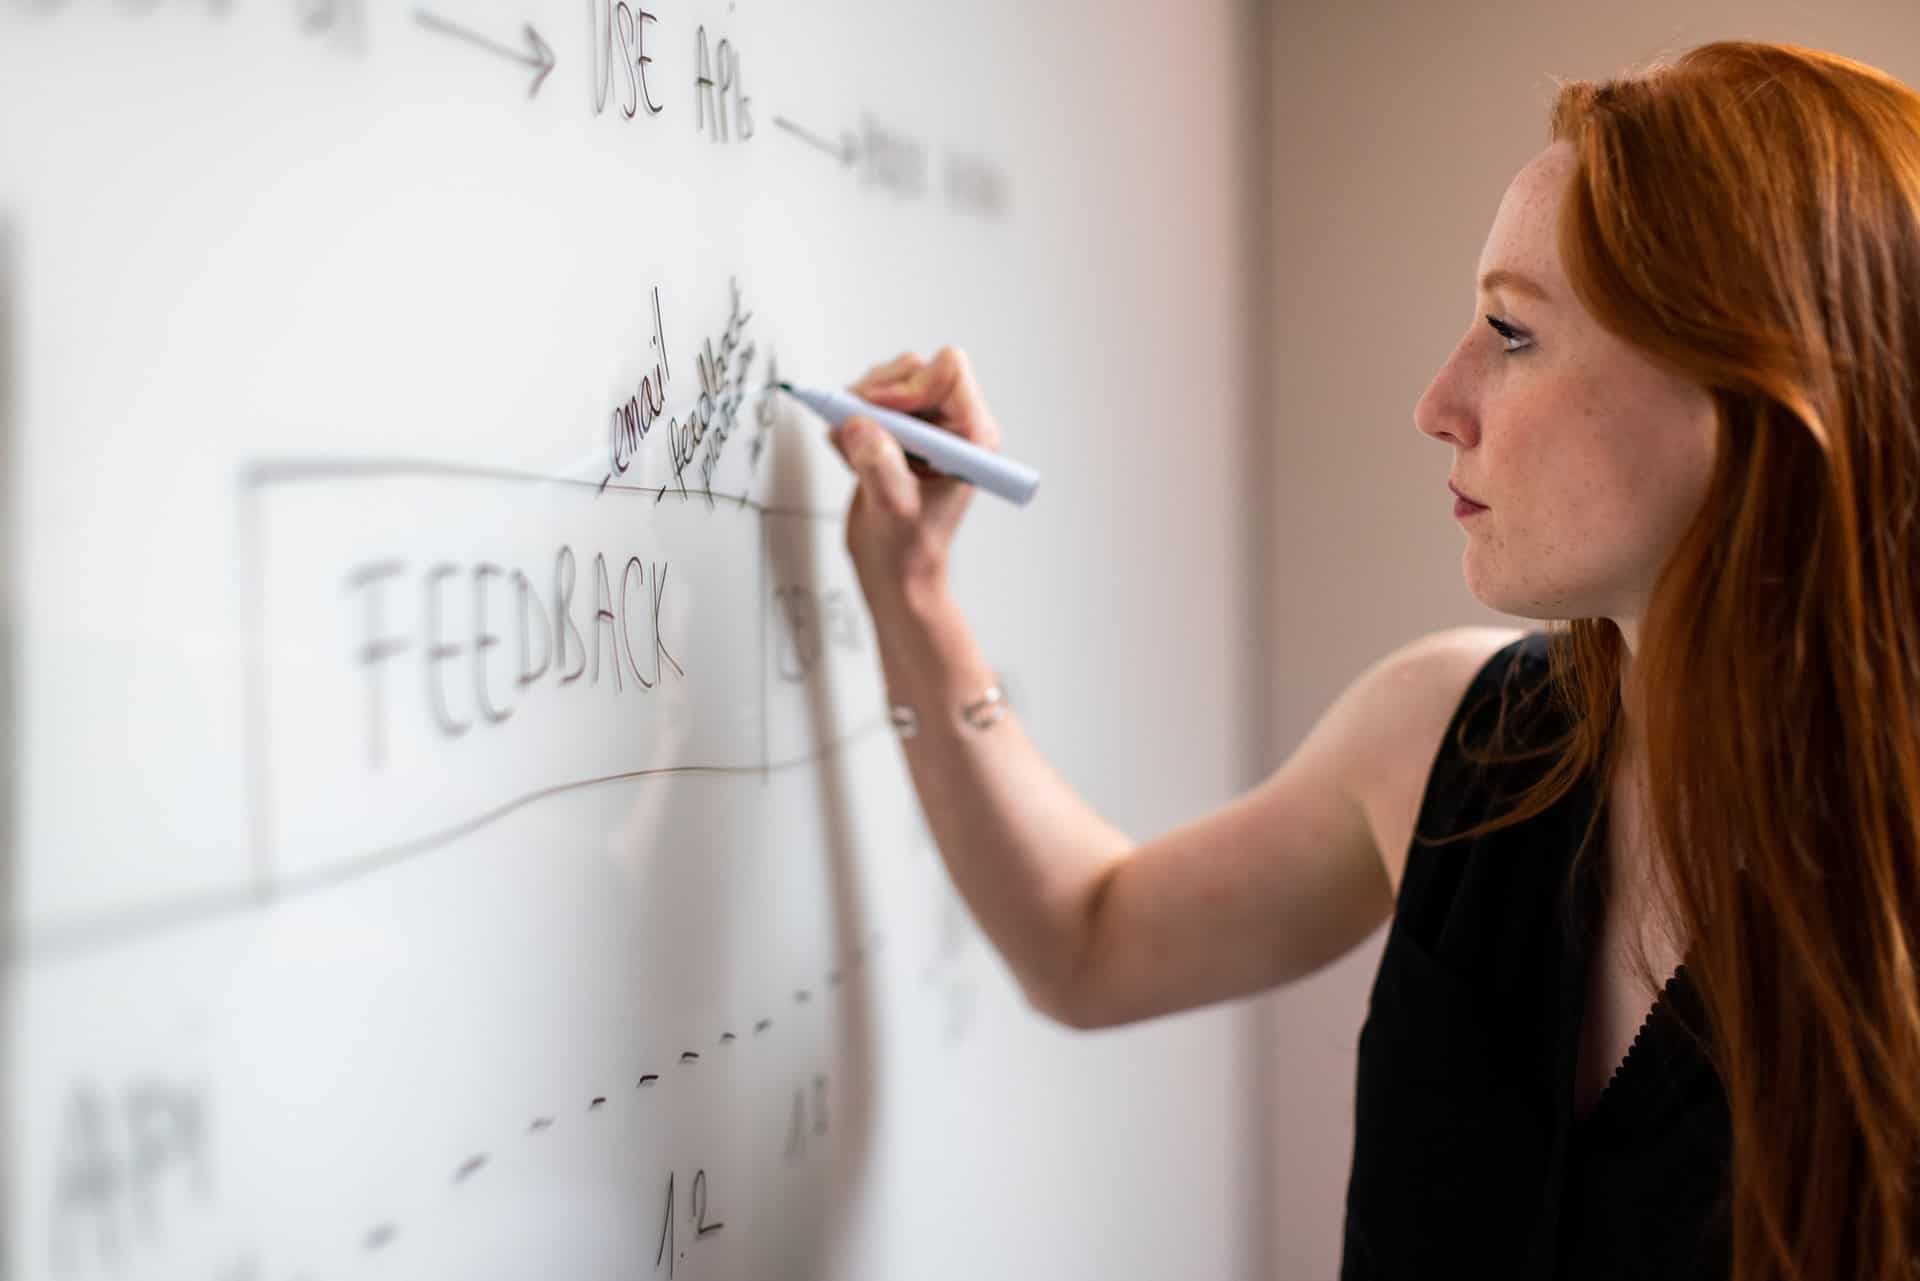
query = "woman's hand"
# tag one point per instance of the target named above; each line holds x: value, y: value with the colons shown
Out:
x: 900, y: 524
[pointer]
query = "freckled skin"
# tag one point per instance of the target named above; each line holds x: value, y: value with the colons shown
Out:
x: 1590, y: 457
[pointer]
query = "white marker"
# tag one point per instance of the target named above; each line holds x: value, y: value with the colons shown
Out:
x: 941, y: 450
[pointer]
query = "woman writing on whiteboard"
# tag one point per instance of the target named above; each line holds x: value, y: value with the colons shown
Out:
x: 1684, y: 429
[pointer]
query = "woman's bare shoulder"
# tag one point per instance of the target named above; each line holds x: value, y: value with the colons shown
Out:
x: 1405, y: 702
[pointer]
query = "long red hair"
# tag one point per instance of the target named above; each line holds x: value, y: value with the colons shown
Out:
x: 1749, y: 215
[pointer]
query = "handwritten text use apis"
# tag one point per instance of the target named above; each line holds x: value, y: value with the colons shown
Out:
x: 723, y: 368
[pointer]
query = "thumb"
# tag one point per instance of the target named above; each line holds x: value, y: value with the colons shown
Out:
x: 881, y: 464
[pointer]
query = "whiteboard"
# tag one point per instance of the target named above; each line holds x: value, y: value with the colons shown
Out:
x: 452, y: 824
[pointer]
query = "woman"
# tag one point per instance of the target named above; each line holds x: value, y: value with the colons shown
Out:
x: 1683, y: 430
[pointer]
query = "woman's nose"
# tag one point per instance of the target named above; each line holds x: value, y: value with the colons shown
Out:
x: 1444, y: 411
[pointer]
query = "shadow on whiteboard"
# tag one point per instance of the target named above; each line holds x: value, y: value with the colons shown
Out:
x: 802, y: 560
x: 816, y: 668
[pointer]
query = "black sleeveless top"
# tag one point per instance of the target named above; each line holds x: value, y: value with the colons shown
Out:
x: 1467, y: 1157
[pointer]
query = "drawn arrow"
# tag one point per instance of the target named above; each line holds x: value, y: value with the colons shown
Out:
x: 538, y: 55
x: 846, y: 153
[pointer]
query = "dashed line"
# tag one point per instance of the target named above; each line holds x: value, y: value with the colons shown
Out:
x: 382, y: 1235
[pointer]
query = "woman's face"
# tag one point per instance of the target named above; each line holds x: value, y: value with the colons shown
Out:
x: 1588, y: 458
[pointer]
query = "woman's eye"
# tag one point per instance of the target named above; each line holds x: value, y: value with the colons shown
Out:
x: 1514, y: 338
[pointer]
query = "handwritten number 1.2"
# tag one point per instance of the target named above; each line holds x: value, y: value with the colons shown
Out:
x: 668, y: 1253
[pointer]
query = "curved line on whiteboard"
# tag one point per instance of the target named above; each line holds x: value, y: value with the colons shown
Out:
x: 261, y: 473
x: 64, y: 941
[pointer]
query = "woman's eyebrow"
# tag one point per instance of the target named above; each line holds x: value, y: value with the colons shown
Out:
x: 1504, y: 277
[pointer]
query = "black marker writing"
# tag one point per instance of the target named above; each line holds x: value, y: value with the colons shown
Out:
x: 723, y: 381
x: 630, y: 422
x: 846, y: 151
x: 438, y: 651
x: 716, y: 89
x: 342, y: 21
x: 167, y: 1125
x: 975, y: 186
x: 659, y: 588
x: 484, y: 640
x: 538, y: 55
x: 765, y: 413
x: 87, y: 1192
x: 797, y: 1127
x: 119, y: 1170
x: 527, y: 605
x: 891, y: 160
x: 626, y: 610
x: 615, y: 21
x: 604, y: 618
x: 669, y: 1253
x: 552, y: 649
x: 563, y: 577
x: 723, y: 378
x: 809, y: 623
x: 701, y: 1226
x: 378, y: 648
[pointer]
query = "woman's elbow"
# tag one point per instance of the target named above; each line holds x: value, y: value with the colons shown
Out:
x: 1067, y: 1004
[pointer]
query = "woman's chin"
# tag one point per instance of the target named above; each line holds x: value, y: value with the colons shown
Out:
x: 1500, y: 594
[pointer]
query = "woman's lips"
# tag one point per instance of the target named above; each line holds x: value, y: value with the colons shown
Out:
x: 1464, y: 506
